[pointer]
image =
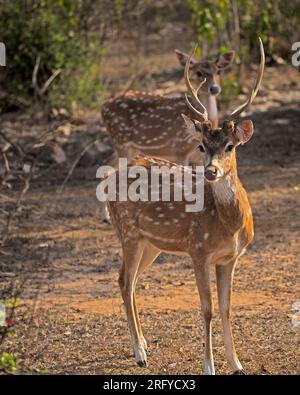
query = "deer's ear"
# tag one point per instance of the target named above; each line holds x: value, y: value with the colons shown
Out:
x: 225, y: 59
x: 244, y: 131
x: 190, y: 124
x: 183, y: 57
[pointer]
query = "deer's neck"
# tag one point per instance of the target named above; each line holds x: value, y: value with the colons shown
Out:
x: 210, y: 103
x: 231, y: 202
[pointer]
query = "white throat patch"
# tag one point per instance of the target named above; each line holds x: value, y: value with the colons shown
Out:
x: 224, y: 190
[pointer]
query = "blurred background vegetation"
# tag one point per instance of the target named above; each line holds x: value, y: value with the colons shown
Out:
x: 74, y: 53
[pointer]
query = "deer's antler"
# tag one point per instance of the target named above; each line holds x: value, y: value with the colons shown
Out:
x: 256, y: 85
x: 193, y: 91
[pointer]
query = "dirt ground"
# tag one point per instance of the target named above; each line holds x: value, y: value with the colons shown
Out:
x: 71, y: 318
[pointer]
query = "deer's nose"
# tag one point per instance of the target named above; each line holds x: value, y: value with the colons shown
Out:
x: 214, y: 89
x: 211, y: 173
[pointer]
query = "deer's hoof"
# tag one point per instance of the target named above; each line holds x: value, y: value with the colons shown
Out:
x: 140, y: 357
x: 239, y: 373
x: 142, y: 364
x: 105, y: 221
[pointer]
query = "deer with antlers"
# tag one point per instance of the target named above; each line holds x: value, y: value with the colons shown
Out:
x: 216, y: 235
x: 145, y: 123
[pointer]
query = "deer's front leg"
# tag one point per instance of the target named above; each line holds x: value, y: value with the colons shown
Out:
x: 224, y: 286
x: 203, y: 284
x: 131, y: 260
x: 149, y: 255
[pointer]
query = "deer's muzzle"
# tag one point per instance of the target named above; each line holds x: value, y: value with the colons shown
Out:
x: 211, y: 173
x: 214, y: 89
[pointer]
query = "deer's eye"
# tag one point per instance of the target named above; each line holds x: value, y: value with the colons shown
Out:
x: 201, y: 148
x: 229, y: 148
x: 199, y: 74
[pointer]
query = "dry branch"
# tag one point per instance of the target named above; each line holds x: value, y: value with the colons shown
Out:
x: 75, y: 163
x: 40, y: 91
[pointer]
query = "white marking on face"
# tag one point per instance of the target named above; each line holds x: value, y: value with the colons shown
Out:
x: 206, y: 235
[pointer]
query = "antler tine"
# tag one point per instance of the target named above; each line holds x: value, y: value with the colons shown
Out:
x: 256, y: 84
x: 193, y: 91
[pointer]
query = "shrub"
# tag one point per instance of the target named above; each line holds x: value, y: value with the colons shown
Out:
x: 238, y: 23
x: 56, y: 32
x: 8, y: 362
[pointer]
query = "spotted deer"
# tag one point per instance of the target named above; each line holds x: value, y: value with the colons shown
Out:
x: 145, y: 123
x: 217, y: 235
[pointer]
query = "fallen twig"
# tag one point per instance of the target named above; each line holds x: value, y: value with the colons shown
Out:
x: 17, y: 147
x: 72, y: 168
x: 128, y: 84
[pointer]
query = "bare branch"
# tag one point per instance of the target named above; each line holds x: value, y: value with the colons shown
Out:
x: 17, y: 147
x: 75, y: 163
x: 35, y: 73
x: 49, y: 81
x: 39, y: 92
